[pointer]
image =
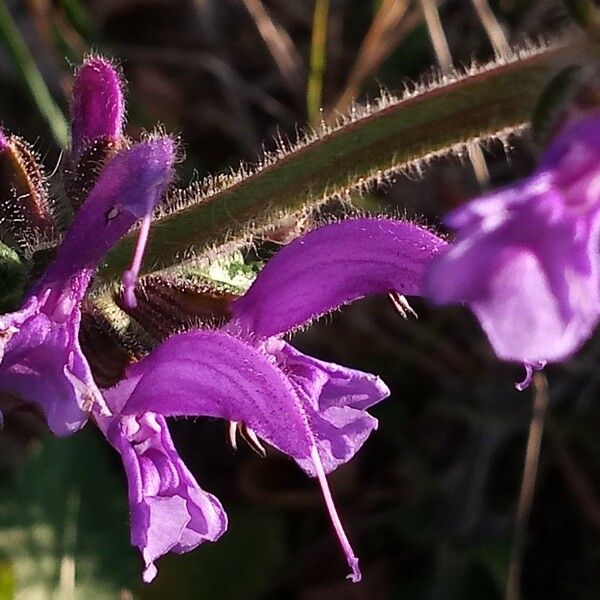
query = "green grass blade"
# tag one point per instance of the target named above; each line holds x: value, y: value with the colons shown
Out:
x: 23, y: 61
x: 394, y: 134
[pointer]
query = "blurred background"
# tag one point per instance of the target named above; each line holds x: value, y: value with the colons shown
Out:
x: 430, y: 501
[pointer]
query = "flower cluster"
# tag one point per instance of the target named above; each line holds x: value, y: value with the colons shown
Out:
x: 525, y: 260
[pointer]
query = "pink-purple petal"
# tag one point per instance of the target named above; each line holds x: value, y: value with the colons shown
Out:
x: 43, y: 364
x: 335, y: 400
x: 169, y: 510
x: 129, y: 187
x: 334, y: 265
x: 42, y: 361
x: 214, y: 374
x: 526, y: 257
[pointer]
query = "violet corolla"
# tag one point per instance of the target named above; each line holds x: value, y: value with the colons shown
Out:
x: 41, y: 359
x: 313, y: 411
x: 526, y: 257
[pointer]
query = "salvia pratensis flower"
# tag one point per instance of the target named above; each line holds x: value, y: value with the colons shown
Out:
x: 313, y: 411
x: 526, y: 257
x: 41, y: 360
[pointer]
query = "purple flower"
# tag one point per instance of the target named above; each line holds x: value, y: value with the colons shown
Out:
x: 313, y: 411
x: 526, y: 257
x: 41, y: 360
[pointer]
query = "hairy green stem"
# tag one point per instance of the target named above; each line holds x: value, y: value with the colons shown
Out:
x: 370, y: 144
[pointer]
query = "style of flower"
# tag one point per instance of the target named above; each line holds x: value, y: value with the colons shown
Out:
x: 526, y: 257
x: 313, y: 411
x: 41, y: 359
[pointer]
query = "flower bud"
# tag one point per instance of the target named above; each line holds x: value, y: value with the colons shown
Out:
x: 25, y: 211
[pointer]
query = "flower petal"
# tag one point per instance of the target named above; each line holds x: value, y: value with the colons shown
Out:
x: 214, y: 374
x: 528, y: 266
x: 129, y: 187
x: 43, y: 364
x: 169, y: 510
x: 98, y: 109
x: 334, y: 265
x: 335, y: 400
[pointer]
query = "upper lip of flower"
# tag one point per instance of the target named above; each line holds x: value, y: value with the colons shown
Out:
x: 44, y: 332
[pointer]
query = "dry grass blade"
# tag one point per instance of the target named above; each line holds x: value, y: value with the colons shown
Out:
x: 279, y: 43
x: 444, y: 59
x: 532, y: 457
x: 318, y: 59
x: 493, y: 29
x: 437, y: 35
x: 390, y: 24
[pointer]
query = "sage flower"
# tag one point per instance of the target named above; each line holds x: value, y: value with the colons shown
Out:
x: 526, y: 258
x: 41, y: 359
x: 313, y: 411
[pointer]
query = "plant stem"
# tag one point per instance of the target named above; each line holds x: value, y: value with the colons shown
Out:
x: 530, y: 469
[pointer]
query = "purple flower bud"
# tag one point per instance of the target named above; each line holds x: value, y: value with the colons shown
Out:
x: 98, y: 109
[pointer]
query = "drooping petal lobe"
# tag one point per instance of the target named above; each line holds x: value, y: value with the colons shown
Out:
x: 169, y: 510
x: 42, y: 362
x: 98, y: 109
x: 334, y: 265
x: 335, y: 400
x: 526, y: 257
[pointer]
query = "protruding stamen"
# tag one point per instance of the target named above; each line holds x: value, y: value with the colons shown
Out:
x: 352, y: 560
x: 232, y: 430
x: 402, y: 306
x: 130, y: 276
x: 529, y: 369
x: 252, y: 440
x: 248, y: 435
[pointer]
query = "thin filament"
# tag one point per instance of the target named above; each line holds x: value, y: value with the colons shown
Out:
x: 130, y: 276
x: 355, y: 576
